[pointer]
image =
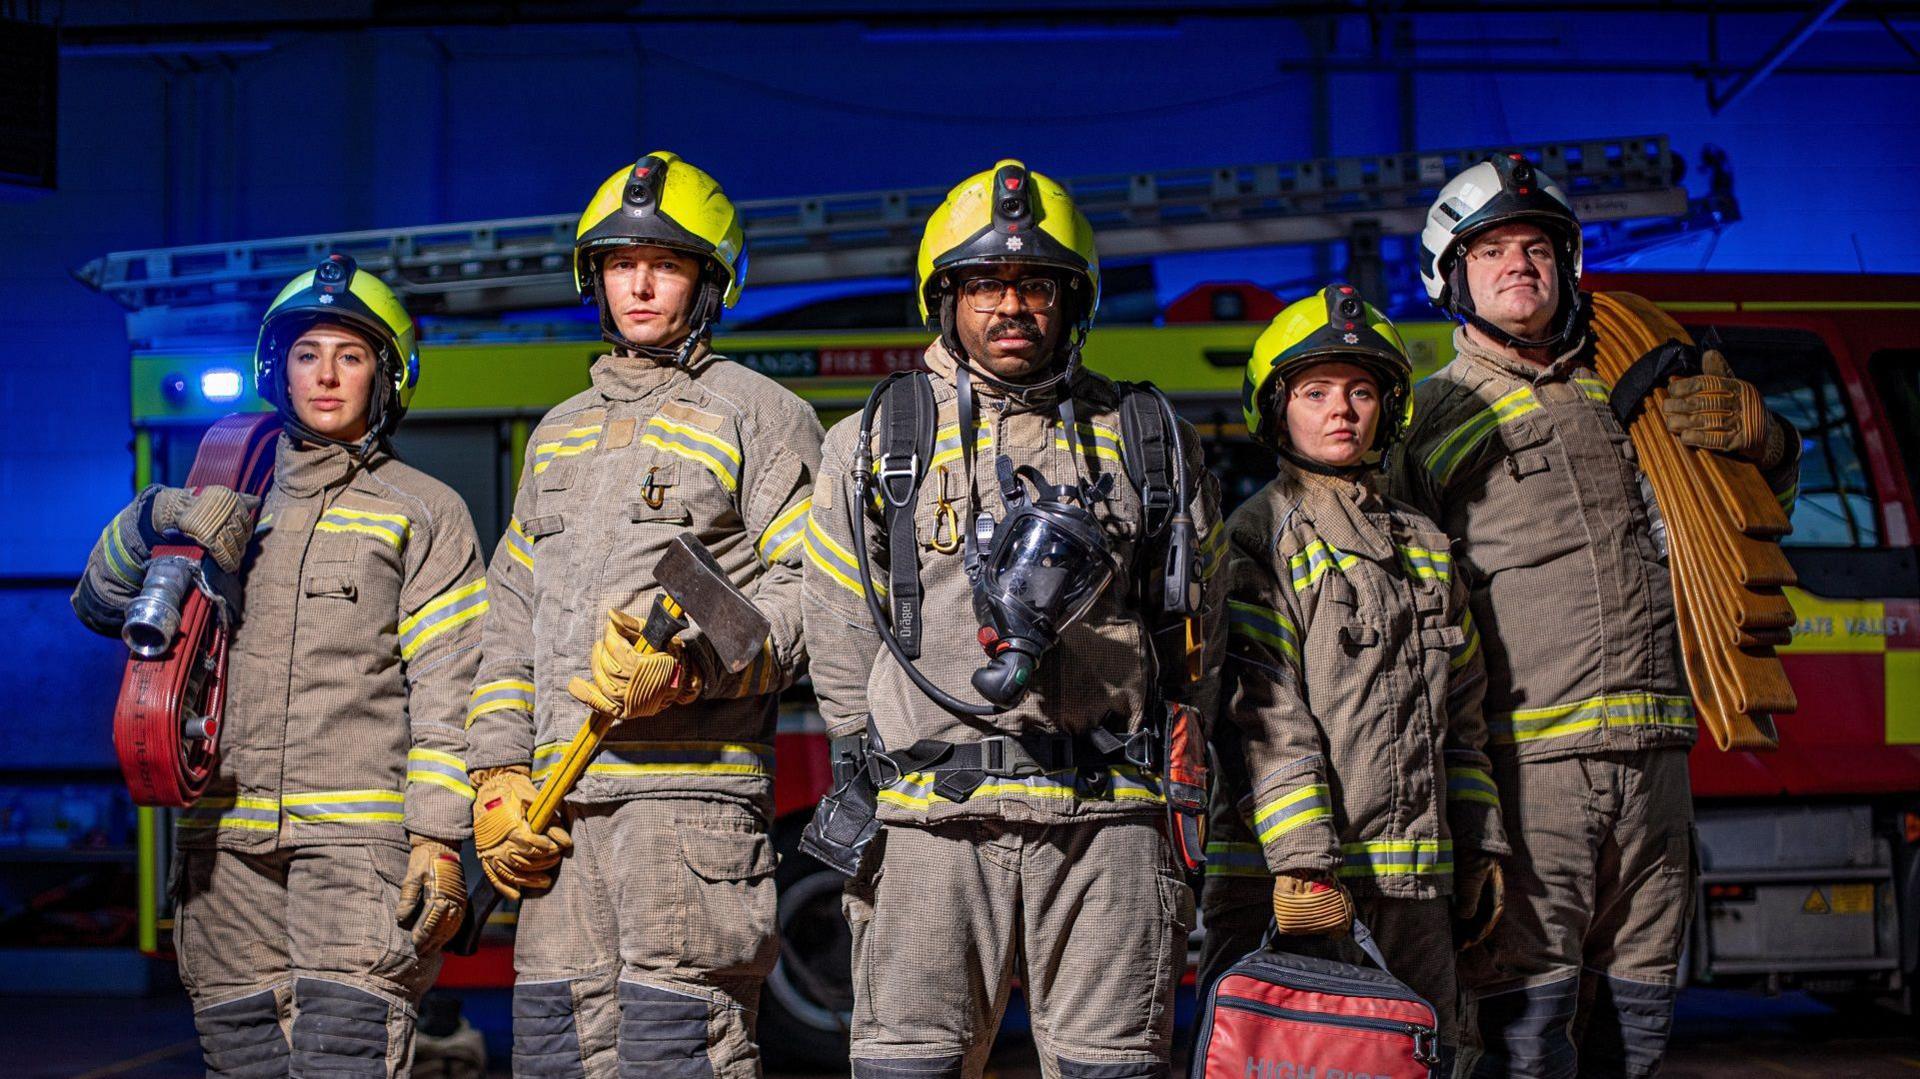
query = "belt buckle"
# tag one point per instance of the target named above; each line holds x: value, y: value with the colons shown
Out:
x: 993, y: 754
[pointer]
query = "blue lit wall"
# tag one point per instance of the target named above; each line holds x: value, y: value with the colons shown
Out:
x: 332, y: 132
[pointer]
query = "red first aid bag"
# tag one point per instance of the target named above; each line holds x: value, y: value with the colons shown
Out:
x: 1275, y: 1015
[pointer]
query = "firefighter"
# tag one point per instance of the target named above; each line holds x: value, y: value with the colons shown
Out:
x: 1355, y: 779
x: 642, y: 950
x: 318, y: 877
x: 1020, y: 783
x: 1514, y: 449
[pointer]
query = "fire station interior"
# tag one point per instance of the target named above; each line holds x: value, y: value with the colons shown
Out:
x: 164, y: 169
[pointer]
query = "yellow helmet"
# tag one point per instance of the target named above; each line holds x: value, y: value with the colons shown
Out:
x: 1007, y: 214
x: 1332, y: 324
x: 662, y: 201
x: 338, y: 291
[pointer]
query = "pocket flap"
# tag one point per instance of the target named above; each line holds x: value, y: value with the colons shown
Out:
x: 666, y: 512
x: 718, y: 854
x: 334, y: 586
x: 544, y: 525
x: 1445, y: 638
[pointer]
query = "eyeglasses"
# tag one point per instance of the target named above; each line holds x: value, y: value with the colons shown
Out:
x: 984, y: 294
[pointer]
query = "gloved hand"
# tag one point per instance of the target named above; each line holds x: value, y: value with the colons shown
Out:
x: 217, y: 518
x: 511, y: 854
x: 1311, y: 905
x: 1716, y: 411
x: 631, y: 680
x: 1479, y: 897
x: 434, y: 896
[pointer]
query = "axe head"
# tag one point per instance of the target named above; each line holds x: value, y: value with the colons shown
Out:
x: 733, y: 625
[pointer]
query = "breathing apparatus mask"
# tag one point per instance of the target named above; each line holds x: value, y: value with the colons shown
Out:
x: 1050, y: 560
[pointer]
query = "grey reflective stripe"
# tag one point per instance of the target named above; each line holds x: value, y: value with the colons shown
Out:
x: 1627, y: 1032
x: 1396, y: 857
x: 338, y: 1030
x: 1130, y: 1069
x: 443, y: 611
x: 915, y: 790
x: 1527, y: 1031
x: 353, y: 807
x: 546, y: 1038
x: 720, y: 462
x: 242, y: 1039
x: 1235, y: 860
x: 577, y: 440
x: 391, y: 527
x: 638, y: 758
x: 662, y: 1033
x: 249, y: 814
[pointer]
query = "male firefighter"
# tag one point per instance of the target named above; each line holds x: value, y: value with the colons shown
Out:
x: 318, y: 877
x: 986, y: 586
x: 642, y: 952
x: 1350, y: 727
x: 1514, y: 450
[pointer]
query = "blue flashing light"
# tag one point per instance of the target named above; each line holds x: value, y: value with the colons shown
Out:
x: 220, y: 384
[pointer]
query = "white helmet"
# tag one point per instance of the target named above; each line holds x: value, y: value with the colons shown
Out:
x: 1502, y: 189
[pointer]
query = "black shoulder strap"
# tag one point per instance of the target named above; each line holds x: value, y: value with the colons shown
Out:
x: 908, y: 416
x: 1653, y: 369
x: 1148, y: 452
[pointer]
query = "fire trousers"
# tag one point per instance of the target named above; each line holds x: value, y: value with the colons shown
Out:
x: 1578, y: 978
x: 1088, y: 915
x: 295, y: 962
x: 647, y: 955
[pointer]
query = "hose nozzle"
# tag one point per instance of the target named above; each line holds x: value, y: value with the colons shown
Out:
x: 153, y: 618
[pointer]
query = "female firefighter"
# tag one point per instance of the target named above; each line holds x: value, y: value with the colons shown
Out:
x: 319, y: 875
x: 1351, y: 739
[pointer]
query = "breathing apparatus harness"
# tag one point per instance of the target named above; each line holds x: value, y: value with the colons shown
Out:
x: 1034, y: 574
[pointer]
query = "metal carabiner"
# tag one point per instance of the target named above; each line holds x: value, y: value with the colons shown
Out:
x: 944, y: 518
x: 653, y: 494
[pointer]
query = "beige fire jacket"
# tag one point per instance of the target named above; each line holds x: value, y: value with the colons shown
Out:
x: 611, y: 475
x: 363, y: 597
x: 1351, y: 693
x: 1560, y: 543
x: 1097, y: 675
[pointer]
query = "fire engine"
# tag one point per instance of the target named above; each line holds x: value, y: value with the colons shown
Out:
x: 1809, y: 875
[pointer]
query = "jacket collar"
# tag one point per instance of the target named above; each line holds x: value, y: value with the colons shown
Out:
x: 1559, y: 370
x: 1086, y: 386
x: 301, y: 468
x: 1338, y: 507
x: 621, y: 377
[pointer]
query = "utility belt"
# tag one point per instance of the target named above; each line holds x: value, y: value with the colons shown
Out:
x: 1172, y: 751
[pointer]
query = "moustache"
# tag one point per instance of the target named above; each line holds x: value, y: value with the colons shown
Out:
x: 1025, y: 327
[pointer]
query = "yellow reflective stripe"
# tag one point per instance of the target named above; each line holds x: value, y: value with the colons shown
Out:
x: 834, y: 560
x: 1611, y: 710
x: 576, y: 441
x: 119, y: 559
x: 1396, y: 857
x: 345, y: 807
x: 499, y: 695
x: 1788, y: 497
x: 1469, y: 784
x: 244, y: 813
x: 784, y: 534
x: 1236, y: 860
x: 1291, y: 810
x: 390, y: 528
x: 1103, y: 441
x: 1462, y: 440
x: 1427, y: 564
x: 1212, y: 546
x: 442, y: 613
x: 1263, y: 625
x: 439, y: 769
x: 915, y: 790
x: 716, y: 454
x: 630, y: 759
x: 1313, y: 562
x: 946, y: 443
x: 1463, y: 654
x: 1595, y: 389
x: 519, y: 544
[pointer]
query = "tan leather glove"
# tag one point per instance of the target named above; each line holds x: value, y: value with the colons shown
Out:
x: 1311, y: 905
x: 1479, y: 898
x: 215, y: 517
x: 511, y: 854
x: 434, y: 896
x: 631, y: 680
x: 1716, y: 411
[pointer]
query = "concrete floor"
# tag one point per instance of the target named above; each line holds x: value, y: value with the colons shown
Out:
x: 1718, y: 1034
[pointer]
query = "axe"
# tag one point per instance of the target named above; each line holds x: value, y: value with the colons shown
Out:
x: 691, y: 584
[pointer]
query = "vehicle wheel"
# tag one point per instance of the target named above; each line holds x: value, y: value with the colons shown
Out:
x: 807, y: 1006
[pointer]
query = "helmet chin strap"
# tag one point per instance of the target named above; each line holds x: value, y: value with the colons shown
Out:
x: 679, y: 355
x: 1345, y: 472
